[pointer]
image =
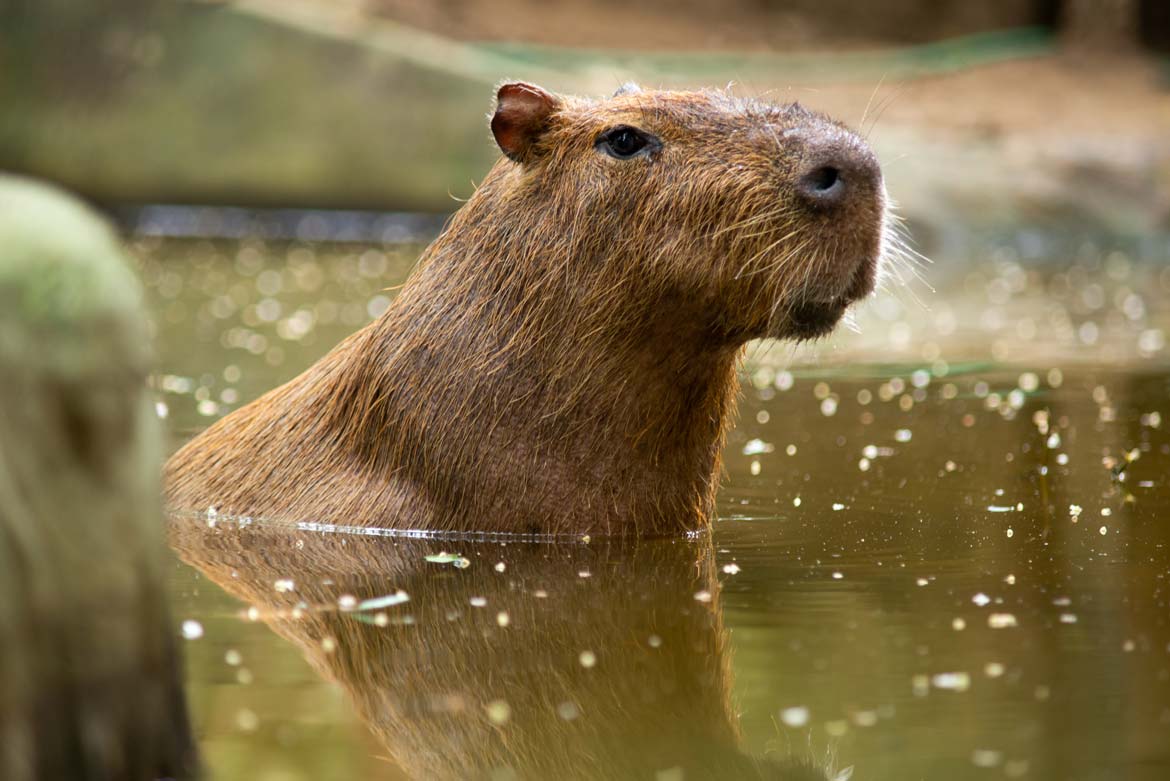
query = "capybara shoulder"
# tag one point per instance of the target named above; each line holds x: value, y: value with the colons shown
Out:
x: 563, y: 360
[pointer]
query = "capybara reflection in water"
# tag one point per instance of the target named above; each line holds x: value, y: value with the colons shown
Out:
x: 623, y: 674
x: 89, y: 678
x: 564, y: 357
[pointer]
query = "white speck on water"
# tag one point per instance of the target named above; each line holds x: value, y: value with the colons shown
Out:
x: 502, y: 618
x: 829, y: 407
x: 584, y: 574
x: 161, y: 409
x: 1010, y: 533
x: 993, y: 669
x: 568, y: 710
x: 1053, y: 441
x: 870, y: 451
x: 500, y: 566
x: 1009, y: 579
x: 838, y: 576
x: 790, y: 450
x: 1029, y: 382
x: 347, y: 602
x: 540, y: 594
x: 1016, y: 768
x: 837, y: 506
x: 478, y: 601
x: 784, y: 381
x: 284, y: 585
x: 986, y: 757
x: 1001, y: 621
x: 252, y: 613
x: 958, y: 624
x: 795, y: 717
x: 1068, y: 618
x: 956, y: 681
x: 247, y: 720
x: 1104, y: 530
x: 1001, y: 508
x: 755, y: 468
x: 192, y: 629
x: 498, y: 712
x: 865, y: 718
x: 731, y: 569
x: 587, y: 659
x: 981, y: 599
x: 755, y: 447
x: 863, y: 465
x: 1106, y: 512
x: 654, y: 641
x: 903, y: 435
x: 233, y: 657
x: 796, y: 502
x: 836, y: 729
x: 703, y: 596
x: 922, y: 581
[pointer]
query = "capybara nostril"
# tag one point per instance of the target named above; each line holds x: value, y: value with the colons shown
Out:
x: 835, y: 172
x: 823, y: 184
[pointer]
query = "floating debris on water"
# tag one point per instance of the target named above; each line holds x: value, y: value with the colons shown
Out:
x: 755, y: 447
x: 390, y: 600
x: 1001, y: 621
x: 454, y: 559
x: 952, y: 681
x: 192, y: 629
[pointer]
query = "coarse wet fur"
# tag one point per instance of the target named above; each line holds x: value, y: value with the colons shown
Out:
x: 563, y: 360
x: 90, y: 685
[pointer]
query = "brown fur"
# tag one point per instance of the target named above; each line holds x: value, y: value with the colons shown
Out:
x: 423, y: 688
x: 564, y: 358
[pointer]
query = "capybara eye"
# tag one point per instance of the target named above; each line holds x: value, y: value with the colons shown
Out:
x: 624, y: 142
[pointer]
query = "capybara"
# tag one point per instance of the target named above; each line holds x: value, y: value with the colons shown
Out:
x: 563, y: 359
x: 90, y: 688
x: 536, y: 661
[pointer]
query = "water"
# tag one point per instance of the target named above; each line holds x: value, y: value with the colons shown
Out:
x: 942, y: 553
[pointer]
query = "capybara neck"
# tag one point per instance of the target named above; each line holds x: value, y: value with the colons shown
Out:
x: 556, y: 400
x: 563, y: 359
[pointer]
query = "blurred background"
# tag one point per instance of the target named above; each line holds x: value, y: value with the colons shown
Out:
x: 276, y: 167
x: 983, y: 113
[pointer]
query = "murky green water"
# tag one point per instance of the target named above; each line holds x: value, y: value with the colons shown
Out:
x: 943, y: 553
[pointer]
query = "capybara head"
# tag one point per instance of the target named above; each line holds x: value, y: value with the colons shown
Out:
x: 759, y: 220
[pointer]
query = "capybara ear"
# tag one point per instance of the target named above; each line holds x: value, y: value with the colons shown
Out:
x: 522, y: 113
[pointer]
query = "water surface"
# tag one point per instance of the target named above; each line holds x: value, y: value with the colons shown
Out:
x: 943, y: 552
